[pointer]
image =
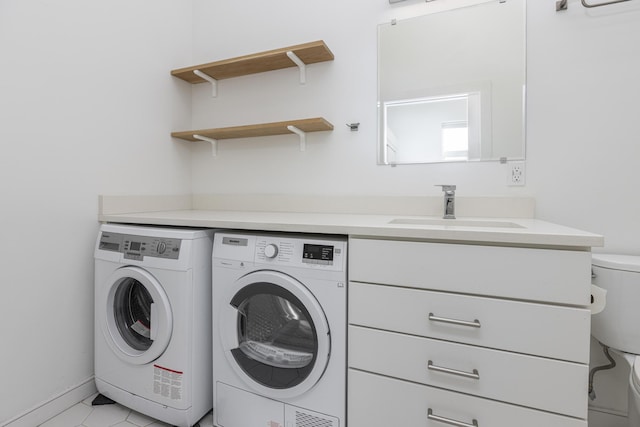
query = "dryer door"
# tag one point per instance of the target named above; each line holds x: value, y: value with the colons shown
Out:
x: 275, y: 334
x: 136, y: 321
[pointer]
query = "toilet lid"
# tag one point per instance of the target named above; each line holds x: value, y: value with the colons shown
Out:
x: 617, y: 262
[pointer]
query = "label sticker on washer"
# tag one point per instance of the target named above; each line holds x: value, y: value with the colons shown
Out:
x: 167, y: 382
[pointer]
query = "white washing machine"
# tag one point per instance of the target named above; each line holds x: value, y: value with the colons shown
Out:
x: 153, y: 320
x: 280, y: 328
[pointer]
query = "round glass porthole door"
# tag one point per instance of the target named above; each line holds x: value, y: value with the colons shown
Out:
x: 278, y: 338
x: 137, y: 321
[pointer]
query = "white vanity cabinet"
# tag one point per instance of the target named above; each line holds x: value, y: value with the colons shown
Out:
x: 467, y: 334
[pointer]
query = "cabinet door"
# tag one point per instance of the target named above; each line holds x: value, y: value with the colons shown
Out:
x: 548, y: 275
x: 539, y: 329
x: 537, y: 382
x: 377, y: 401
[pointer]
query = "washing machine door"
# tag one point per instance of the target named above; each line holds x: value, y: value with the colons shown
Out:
x: 275, y: 334
x: 136, y: 315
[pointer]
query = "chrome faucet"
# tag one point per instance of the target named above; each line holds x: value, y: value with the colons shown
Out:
x: 449, y: 201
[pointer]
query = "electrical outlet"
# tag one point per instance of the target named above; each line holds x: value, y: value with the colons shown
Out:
x: 516, y: 174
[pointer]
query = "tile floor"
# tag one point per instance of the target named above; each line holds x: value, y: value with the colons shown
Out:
x: 84, y: 415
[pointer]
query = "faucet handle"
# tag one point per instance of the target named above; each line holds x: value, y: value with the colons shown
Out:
x: 446, y: 187
x: 449, y: 200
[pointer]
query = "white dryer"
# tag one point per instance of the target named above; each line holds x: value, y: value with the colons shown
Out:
x: 153, y: 320
x: 280, y: 328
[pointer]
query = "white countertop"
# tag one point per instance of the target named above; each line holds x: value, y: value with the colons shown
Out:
x: 533, y: 232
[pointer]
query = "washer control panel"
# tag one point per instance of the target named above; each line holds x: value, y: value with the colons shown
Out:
x: 137, y: 247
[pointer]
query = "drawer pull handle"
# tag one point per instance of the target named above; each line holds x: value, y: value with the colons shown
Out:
x: 474, y: 324
x: 431, y: 416
x: 473, y: 375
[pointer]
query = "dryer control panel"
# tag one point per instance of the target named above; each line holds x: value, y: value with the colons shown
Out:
x: 137, y: 247
x: 301, y: 251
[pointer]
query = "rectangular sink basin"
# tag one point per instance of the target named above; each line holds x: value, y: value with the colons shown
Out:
x: 456, y: 222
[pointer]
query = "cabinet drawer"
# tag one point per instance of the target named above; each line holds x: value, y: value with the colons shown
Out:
x: 548, y: 275
x: 376, y: 401
x: 542, y: 383
x: 532, y: 328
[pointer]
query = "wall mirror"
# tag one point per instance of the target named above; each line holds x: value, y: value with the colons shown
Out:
x: 451, y: 85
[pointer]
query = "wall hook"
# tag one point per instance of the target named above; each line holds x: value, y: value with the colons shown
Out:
x: 301, y: 66
x: 302, y: 134
x: 354, y: 126
x: 213, y: 142
x: 214, y: 82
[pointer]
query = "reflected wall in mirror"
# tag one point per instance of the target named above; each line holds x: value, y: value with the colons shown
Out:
x: 451, y: 85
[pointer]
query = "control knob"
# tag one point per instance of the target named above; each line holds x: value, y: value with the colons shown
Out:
x: 271, y: 250
x: 162, y: 247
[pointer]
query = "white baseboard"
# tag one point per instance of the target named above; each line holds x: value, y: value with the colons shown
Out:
x: 53, y: 406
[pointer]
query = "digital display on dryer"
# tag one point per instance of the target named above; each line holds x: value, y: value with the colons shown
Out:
x: 135, y: 246
x: 321, y: 254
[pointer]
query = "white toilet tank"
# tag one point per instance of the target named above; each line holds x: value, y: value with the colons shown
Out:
x: 617, y: 326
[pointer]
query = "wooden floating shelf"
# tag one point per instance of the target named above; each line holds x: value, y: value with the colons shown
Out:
x: 317, y: 124
x: 308, y: 53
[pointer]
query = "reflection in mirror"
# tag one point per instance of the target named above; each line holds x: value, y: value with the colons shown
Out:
x: 451, y: 85
x: 409, y: 123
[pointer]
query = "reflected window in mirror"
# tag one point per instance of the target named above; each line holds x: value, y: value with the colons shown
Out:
x: 435, y: 129
x: 455, y: 141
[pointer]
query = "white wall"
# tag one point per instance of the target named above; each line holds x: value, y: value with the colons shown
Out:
x: 583, y: 143
x: 584, y: 140
x: 343, y: 91
x: 86, y: 107
x: 582, y: 81
x: 87, y: 103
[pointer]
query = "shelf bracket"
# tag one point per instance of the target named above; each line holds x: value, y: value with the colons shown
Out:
x: 214, y: 82
x: 301, y: 66
x: 302, y: 134
x: 213, y: 142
